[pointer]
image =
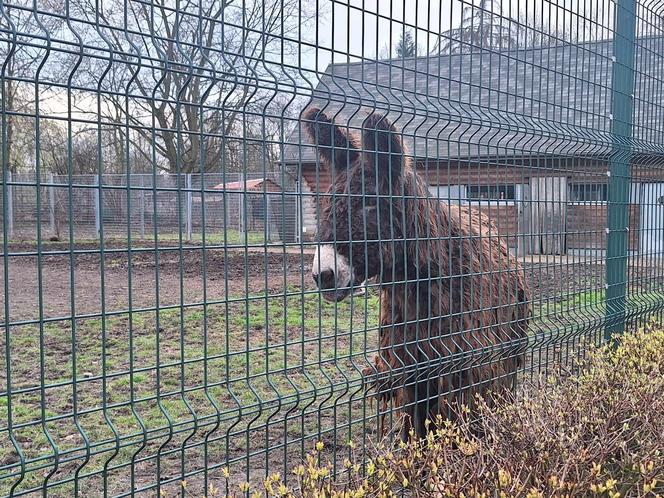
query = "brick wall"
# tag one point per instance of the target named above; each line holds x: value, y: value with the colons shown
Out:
x: 586, y: 224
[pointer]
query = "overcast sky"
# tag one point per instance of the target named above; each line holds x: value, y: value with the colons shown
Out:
x: 357, y: 29
x: 352, y: 30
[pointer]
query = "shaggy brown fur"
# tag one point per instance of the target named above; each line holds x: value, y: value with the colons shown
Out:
x: 454, y: 303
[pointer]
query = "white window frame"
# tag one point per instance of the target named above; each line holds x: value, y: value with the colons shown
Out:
x: 461, y: 195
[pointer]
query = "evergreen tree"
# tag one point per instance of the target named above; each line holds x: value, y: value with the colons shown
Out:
x: 406, y: 47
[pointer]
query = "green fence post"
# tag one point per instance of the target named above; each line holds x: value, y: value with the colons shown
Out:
x: 97, y: 203
x: 190, y: 231
x: 622, y: 95
x: 142, y: 211
x: 51, y: 203
x: 9, y: 208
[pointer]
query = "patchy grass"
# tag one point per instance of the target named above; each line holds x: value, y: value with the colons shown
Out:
x: 161, y: 393
x: 597, y: 434
x: 150, y: 382
x: 228, y: 237
x: 590, y: 303
x: 221, y: 237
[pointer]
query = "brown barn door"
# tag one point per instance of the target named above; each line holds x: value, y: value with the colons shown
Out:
x: 548, y: 211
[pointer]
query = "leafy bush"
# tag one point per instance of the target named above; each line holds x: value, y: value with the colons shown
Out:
x: 599, y: 433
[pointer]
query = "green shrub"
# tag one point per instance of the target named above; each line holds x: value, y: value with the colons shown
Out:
x: 600, y: 433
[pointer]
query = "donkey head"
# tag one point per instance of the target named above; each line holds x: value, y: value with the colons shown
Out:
x: 358, y: 214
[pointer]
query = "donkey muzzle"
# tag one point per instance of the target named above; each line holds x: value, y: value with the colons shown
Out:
x: 332, y: 273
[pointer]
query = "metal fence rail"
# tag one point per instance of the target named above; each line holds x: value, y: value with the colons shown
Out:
x: 229, y: 228
x: 263, y: 207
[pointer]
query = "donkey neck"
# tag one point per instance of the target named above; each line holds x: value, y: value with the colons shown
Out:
x: 410, y: 300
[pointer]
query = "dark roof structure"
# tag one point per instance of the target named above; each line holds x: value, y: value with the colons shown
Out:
x: 551, y: 100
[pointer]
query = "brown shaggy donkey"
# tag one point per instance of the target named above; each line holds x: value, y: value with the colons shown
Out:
x: 454, y: 304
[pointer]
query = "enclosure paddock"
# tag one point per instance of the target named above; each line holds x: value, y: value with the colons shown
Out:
x: 162, y: 205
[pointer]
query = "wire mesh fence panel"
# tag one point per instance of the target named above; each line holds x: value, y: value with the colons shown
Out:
x: 235, y: 232
x: 175, y: 201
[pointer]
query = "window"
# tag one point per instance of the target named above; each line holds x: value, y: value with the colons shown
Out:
x: 449, y: 193
x: 491, y: 192
x: 462, y: 194
x: 588, y: 192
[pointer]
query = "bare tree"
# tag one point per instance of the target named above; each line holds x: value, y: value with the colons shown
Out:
x: 194, y: 82
x: 25, y: 61
x: 534, y: 29
x: 486, y: 26
x: 481, y: 26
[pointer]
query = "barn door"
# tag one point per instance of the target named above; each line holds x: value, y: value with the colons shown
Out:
x: 548, y: 210
x: 652, y: 218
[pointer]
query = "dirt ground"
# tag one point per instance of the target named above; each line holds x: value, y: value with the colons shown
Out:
x: 183, y: 277
x: 189, y: 276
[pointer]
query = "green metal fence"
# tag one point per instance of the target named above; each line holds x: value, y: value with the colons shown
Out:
x: 234, y: 229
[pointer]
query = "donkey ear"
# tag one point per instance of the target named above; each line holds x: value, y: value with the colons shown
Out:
x: 335, y: 147
x: 382, y: 139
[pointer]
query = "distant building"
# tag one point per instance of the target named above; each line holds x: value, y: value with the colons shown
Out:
x: 522, y: 134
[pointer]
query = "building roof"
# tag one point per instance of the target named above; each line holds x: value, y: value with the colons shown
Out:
x: 255, y: 185
x: 552, y: 100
